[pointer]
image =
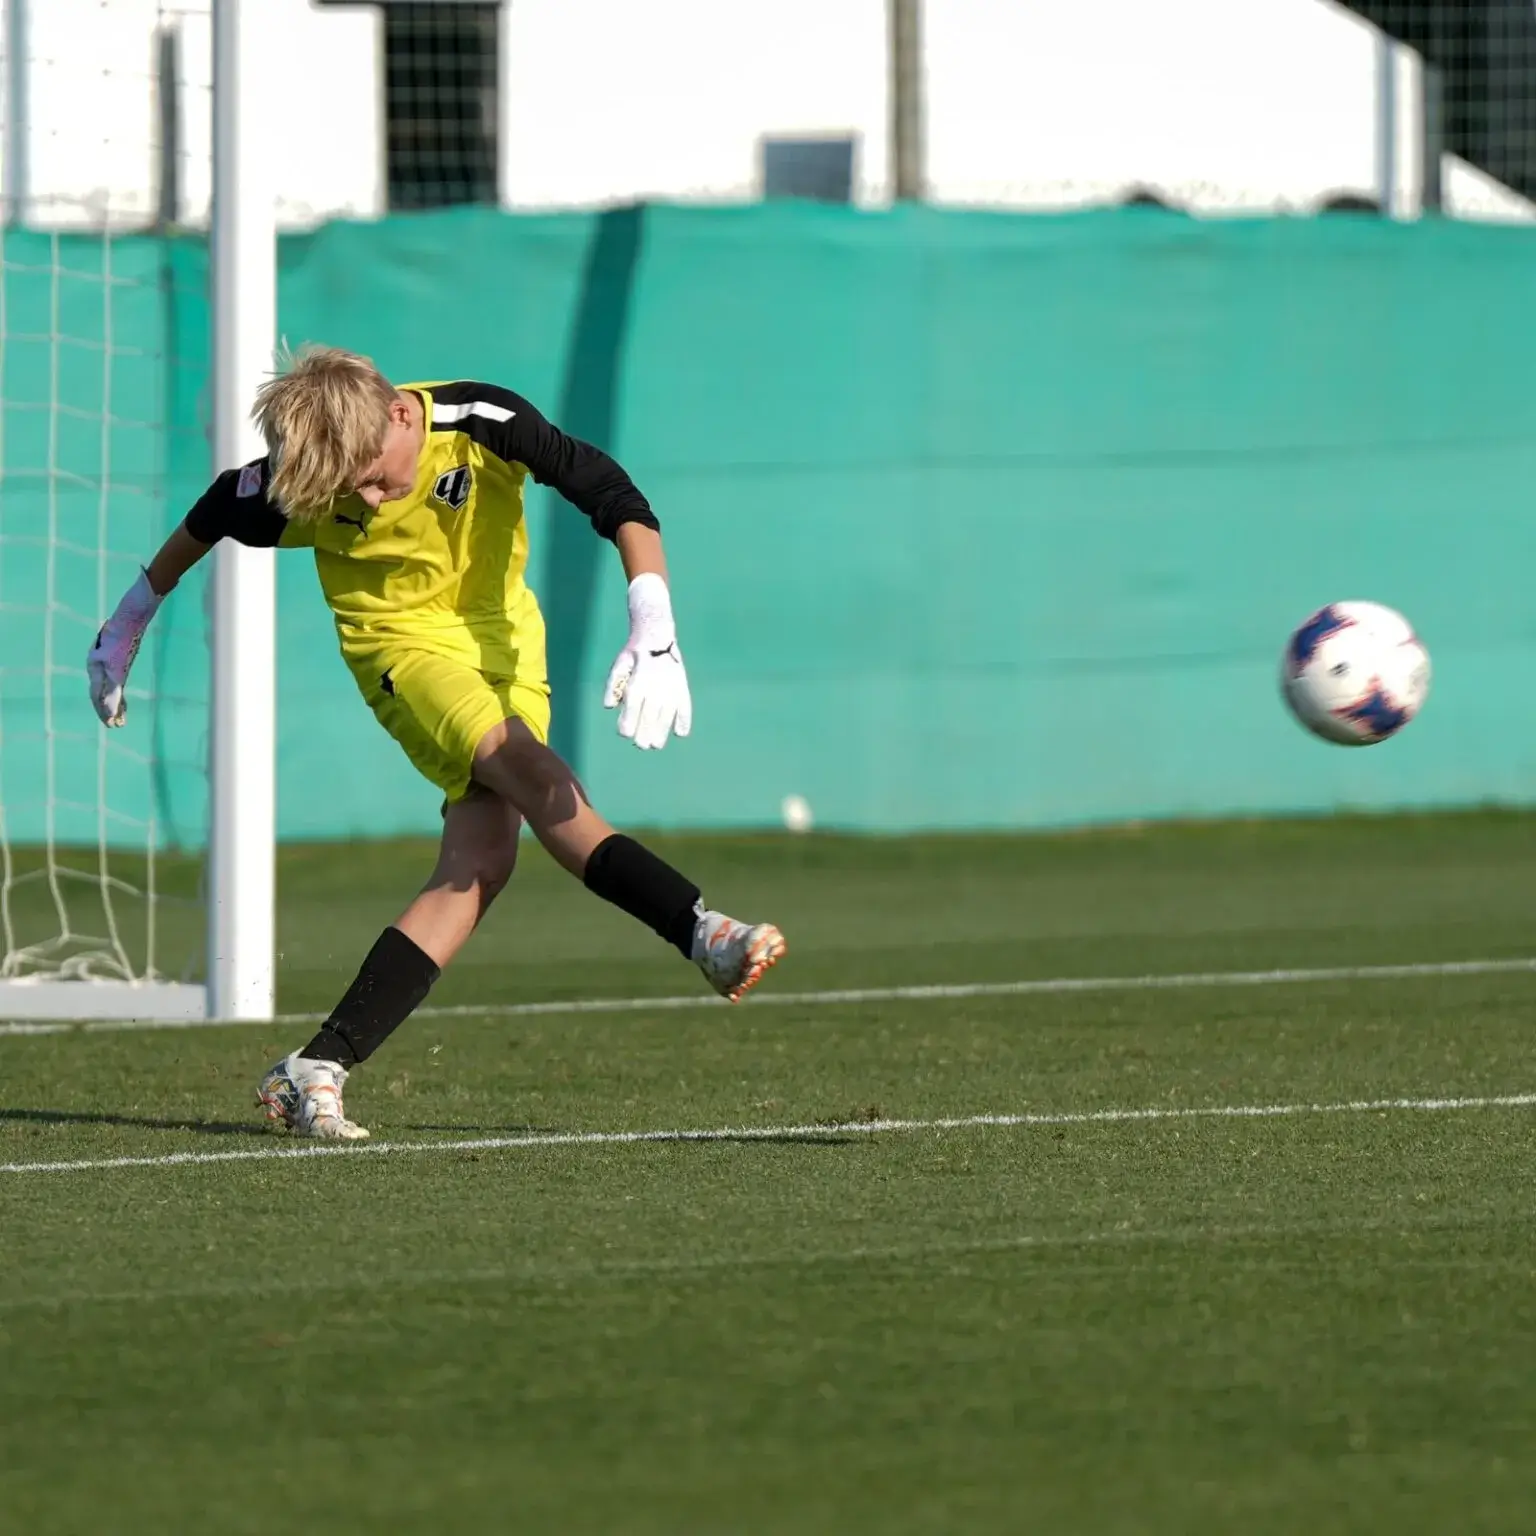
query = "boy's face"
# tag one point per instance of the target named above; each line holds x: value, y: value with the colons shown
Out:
x: 393, y: 474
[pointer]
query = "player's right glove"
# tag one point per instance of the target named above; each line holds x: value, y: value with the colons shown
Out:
x: 116, y: 645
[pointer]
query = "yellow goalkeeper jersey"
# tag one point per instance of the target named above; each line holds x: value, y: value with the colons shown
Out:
x: 451, y: 555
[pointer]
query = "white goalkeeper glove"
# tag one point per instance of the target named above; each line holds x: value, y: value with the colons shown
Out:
x: 118, y: 643
x: 649, y: 678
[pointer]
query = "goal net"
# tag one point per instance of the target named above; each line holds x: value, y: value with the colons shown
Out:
x: 103, y: 353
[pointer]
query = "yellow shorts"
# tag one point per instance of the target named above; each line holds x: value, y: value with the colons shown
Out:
x: 439, y: 697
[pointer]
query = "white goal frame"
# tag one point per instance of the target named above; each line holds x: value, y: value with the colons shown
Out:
x: 240, y: 886
x: 242, y: 833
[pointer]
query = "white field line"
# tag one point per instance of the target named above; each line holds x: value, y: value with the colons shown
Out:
x: 915, y: 994
x: 809, y: 1133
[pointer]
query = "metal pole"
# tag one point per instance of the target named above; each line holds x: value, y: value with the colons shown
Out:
x: 168, y: 168
x: 241, y: 880
x: 1432, y: 137
x: 1386, y: 124
x: 908, y: 182
x: 17, y: 165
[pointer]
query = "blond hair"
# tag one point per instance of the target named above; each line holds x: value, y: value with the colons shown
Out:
x: 323, y: 415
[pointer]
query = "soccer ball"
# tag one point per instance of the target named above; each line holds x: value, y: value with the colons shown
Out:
x: 1355, y: 673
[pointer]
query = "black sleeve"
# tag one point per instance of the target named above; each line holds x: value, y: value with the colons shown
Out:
x: 235, y: 507
x: 518, y: 433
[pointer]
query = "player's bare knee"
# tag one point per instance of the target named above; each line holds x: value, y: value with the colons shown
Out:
x: 480, y: 842
x: 528, y: 775
x: 495, y: 869
x: 484, y: 870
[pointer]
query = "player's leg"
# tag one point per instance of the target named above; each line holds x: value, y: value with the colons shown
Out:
x: 514, y: 762
x: 475, y: 860
x: 474, y: 863
x: 460, y: 727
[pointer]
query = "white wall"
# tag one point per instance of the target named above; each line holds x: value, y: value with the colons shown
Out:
x: 1226, y: 105
x: 1223, y: 105
x: 673, y: 101
x: 92, y: 131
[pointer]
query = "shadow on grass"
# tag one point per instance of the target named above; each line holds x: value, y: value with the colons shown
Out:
x: 142, y: 1122
x: 487, y: 1130
x: 810, y: 1140
x: 533, y: 1132
x: 670, y: 1138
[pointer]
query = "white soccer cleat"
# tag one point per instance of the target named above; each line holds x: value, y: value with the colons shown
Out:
x: 306, y: 1096
x: 734, y: 956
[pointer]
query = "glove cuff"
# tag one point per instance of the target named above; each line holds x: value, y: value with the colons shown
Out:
x: 650, y: 611
x: 139, y: 604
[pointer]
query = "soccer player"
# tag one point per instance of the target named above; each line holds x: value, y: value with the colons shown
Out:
x: 412, y: 500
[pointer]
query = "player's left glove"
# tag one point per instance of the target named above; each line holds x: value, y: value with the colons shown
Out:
x: 116, y: 645
x: 649, y: 678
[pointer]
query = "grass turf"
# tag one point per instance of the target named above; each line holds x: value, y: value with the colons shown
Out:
x: 1174, y: 1325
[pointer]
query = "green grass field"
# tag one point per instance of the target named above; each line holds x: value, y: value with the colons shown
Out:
x: 1320, y: 1321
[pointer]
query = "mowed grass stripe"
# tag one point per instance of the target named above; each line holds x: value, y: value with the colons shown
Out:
x: 1193, y: 1235
x: 790, y: 1132
x: 939, y: 992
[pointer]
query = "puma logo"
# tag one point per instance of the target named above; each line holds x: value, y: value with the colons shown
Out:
x: 356, y: 522
x: 670, y: 650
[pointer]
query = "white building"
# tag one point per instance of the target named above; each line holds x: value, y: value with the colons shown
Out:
x: 1223, y: 105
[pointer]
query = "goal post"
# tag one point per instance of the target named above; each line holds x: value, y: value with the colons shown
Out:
x: 137, y: 867
x: 242, y: 766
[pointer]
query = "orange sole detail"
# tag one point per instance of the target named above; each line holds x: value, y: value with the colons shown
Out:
x: 770, y: 950
x: 274, y: 1109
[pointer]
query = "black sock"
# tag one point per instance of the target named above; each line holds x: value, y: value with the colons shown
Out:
x: 637, y: 882
x: 395, y: 977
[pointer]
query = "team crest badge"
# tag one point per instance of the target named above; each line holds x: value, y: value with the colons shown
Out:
x: 249, y: 483
x: 452, y: 488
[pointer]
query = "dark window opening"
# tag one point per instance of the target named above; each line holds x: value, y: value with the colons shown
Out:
x: 442, y: 69
x: 821, y: 169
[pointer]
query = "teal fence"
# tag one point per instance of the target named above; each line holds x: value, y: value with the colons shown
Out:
x: 974, y: 519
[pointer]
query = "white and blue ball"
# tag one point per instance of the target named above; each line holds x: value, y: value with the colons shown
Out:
x: 1355, y: 673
